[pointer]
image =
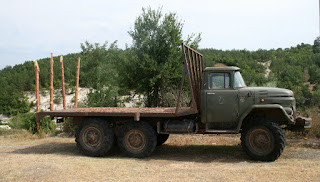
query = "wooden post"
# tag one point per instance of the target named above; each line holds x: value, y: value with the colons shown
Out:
x: 77, y: 84
x: 62, y: 82
x: 51, y: 82
x: 37, y: 70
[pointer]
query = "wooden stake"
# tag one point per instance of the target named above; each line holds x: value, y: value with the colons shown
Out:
x: 77, y: 84
x: 51, y: 82
x: 37, y: 70
x: 62, y: 82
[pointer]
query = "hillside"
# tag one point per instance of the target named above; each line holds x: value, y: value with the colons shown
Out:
x: 294, y: 68
x: 104, y: 68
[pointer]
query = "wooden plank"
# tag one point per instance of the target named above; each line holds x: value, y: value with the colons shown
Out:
x: 121, y: 112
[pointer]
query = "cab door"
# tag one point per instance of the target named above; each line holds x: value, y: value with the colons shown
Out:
x: 222, y: 104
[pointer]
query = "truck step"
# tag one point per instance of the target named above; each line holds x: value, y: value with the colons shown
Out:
x: 221, y: 131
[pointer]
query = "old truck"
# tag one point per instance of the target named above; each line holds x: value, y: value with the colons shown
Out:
x: 221, y: 103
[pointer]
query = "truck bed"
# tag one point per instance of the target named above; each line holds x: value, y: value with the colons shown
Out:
x: 193, y: 68
x: 118, y: 112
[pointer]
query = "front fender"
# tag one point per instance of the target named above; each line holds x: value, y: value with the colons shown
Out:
x: 272, y: 111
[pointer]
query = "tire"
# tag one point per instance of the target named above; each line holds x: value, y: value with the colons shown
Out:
x: 263, y: 140
x: 137, y: 139
x: 161, y: 138
x: 95, y: 137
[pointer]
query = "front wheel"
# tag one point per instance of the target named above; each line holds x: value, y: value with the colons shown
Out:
x: 263, y: 140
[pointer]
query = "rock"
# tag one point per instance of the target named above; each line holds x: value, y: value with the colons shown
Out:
x: 64, y: 134
x: 2, y: 116
x: 4, y: 119
x: 61, y: 134
x: 5, y: 127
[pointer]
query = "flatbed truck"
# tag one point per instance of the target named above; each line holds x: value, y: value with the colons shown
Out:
x: 221, y: 103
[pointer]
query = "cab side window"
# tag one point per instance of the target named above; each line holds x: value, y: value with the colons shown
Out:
x: 219, y: 80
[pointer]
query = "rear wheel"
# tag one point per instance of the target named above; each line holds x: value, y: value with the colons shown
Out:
x: 162, y: 138
x: 95, y: 137
x: 137, y: 139
x: 263, y: 140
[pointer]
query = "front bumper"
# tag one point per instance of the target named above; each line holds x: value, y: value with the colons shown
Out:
x: 301, y: 124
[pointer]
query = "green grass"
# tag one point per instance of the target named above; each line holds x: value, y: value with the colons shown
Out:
x: 27, y: 121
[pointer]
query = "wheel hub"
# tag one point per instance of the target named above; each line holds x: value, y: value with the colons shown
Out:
x: 92, y: 137
x: 135, y: 140
x: 261, y: 141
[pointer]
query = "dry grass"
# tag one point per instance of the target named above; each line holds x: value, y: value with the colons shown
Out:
x: 14, y: 137
x: 181, y: 158
x: 315, y: 128
x: 314, y: 131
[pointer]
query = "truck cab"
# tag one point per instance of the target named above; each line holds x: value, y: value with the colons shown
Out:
x: 258, y: 113
x: 227, y: 103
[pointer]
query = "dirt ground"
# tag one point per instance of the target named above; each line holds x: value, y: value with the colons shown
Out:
x: 181, y: 158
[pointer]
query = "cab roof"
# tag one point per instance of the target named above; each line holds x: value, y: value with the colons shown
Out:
x: 229, y: 68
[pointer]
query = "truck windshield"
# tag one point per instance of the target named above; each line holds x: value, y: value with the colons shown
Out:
x: 238, y: 80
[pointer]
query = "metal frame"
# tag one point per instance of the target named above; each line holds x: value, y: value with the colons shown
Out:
x: 193, y: 67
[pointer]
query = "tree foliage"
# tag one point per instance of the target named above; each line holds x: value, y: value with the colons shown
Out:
x: 99, y: 72
x: 155, y: 64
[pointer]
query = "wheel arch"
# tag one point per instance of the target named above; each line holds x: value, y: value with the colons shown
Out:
x: 274, y: 112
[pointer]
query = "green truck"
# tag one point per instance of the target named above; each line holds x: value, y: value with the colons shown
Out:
x: 221, y: 103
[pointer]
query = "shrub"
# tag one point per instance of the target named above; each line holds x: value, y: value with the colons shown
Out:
x: 102, y: 98
x: 27, y: 121
x: 315, y: 127
x: 57, y: 99
x: 69, y: 126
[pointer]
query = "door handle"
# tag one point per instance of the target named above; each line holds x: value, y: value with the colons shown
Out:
x: 210, y: 93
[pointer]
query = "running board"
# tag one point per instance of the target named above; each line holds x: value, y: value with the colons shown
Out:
x: 215, y: 131
x: 221, y: 131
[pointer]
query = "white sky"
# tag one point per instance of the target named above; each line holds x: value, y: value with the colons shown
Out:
x: 31, y: 29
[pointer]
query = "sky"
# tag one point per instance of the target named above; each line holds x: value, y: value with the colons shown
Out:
x: 32, y: 29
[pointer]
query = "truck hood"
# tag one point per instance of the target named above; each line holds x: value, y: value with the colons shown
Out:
x: 272, y: 92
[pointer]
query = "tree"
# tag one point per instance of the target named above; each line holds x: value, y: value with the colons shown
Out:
x: 99, y: 73
x: 156, y: 58
x: 316, y: 45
